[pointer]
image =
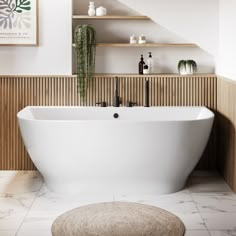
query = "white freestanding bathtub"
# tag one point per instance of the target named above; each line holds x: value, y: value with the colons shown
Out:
x: 143, y: 151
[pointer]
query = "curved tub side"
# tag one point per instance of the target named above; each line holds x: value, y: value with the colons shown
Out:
x: 138, y: 157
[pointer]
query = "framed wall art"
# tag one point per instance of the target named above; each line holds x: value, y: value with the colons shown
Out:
x: 18, y: 22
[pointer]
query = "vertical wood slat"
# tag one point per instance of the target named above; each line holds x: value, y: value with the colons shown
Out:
x: 18, y: 92
x: 226, y: 129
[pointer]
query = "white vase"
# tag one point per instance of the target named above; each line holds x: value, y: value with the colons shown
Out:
x: 91, y: 10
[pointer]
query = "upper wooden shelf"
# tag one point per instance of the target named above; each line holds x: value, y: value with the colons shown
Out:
x: 84, y: 17
x: 145, y: 45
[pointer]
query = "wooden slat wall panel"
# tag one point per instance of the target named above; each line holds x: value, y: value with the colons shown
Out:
x: 18, y: 92
x: 226, y: 101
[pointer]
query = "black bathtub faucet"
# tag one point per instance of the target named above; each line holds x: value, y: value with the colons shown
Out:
x: 147, y: 85
x: 117, y: 98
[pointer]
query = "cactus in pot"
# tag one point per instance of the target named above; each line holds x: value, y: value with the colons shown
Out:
x: 187, y: 67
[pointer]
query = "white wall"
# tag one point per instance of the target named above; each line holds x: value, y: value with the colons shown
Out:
x: 53, y: 56
x: 226, y: 62
x: 194, y: 20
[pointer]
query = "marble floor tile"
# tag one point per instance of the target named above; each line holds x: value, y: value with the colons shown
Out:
x: 215, y: 202
x: 18, y: 182
x: 34, y: 233
x: 13, y: 203
x: 181, y: 202
x: 11, y: 221
x: 192, y: 221
x: 220, y: 221
x: 8, y: 232
x: 53, y: 202
x: 223, y: 233
x: 197, y: 233
x: 38, y: 223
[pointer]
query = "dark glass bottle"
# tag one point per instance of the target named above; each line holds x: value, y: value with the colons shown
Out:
x: 141, y: 65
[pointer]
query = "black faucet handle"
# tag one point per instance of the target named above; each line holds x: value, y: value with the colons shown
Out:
x: 102, y: 104
x: 131, y: 104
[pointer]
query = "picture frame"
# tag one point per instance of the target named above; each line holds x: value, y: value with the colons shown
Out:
x: 19, y: 23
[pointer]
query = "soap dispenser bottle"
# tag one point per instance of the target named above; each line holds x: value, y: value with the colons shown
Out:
x: 141, y: 65
x: 150, y: 63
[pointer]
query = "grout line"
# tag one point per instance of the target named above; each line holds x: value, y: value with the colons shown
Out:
x: 36, y: 195
x: 196, y: 205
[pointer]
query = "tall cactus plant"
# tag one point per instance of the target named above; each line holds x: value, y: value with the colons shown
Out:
x: 85, y: 44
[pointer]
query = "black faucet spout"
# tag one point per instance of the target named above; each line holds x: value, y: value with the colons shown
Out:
x: 117, y: 99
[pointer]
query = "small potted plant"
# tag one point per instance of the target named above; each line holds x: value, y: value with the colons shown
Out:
x: 187, y: 67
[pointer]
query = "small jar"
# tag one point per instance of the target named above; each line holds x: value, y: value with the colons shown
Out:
x: 91, y: 10
x: 101, y: 11
x: 142, y: 39
x: 133, y: 39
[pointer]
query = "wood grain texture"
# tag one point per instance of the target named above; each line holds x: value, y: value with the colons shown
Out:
x: 148, y: 45
x: 109, y: 17
x: 226, y: 100
x: 18, y: 92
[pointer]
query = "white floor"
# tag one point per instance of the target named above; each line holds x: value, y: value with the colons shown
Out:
x: 207, y: 206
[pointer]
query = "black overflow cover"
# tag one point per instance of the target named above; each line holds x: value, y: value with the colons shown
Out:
x: 116, y: 115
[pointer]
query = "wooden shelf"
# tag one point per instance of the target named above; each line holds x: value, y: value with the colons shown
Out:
x: 145, y: 45
x: 80, y: 17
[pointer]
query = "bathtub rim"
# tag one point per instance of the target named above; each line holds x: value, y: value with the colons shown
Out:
x: 20, y: 114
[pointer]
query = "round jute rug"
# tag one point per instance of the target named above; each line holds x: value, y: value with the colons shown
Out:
x: 118, y: 219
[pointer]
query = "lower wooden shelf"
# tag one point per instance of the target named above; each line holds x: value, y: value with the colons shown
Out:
x: 145, y: 45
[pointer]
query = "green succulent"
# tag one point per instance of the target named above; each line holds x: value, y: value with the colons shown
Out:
x: 85, y: 44
x: 184, y: 63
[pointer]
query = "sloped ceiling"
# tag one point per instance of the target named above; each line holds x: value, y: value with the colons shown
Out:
x: 197, y: 21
